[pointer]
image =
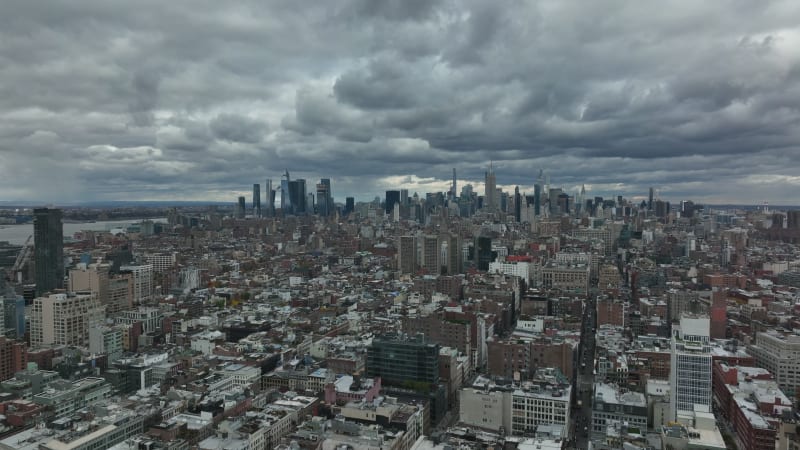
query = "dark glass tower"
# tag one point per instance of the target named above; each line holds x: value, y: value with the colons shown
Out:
x: 324, y: 198
x: 48, y: 240
x: 297, y: 196
x: 392, y: 198
x: 483, y: 252
x: 349, y: 205
x: 327, y: 182
x: 240, y: 207
x: 400, y: 359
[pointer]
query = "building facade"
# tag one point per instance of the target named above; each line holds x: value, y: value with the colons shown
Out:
x: 64, y: 319
x: 48, y: 241
x: 690, y: 368
x: 613, y: 405
x: 780, y: 354
x: 400, y: 359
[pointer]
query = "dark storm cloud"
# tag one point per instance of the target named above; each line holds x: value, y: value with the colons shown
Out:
x: 144, y: 97
x: 201, y: 99
x: 395, y: 10
x: 235, y: 128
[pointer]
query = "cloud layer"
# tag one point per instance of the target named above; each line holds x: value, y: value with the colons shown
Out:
x: 198, y: 100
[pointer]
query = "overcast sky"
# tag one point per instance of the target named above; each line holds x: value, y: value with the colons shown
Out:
x: 198, y: 100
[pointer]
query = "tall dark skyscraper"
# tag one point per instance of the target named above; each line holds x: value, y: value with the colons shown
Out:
x: 483, y: 252
x: 517, y: 205
x: 240, y: 207
x: 48, y: 241
x: 650, y: 201
x: 661, y: 208
x: 324, y: 201
x: 297, y: 197
x: 537, y: 199
x: 563, y: 203
x: 329, y: 198
x: 257, y: 200
x: 392, y: 198
x: 349, y: 205
x: 553, y: 200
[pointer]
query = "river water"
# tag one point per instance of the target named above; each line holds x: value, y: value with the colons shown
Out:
x: 17, y: 234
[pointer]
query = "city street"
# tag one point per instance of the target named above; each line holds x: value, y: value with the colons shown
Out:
x: 585, y: 378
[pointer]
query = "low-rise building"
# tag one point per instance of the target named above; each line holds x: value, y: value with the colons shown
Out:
x: 518, y: 408
x: 66, y: 397
x: 612, y: 404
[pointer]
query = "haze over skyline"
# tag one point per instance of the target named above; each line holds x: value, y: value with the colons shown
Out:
x: 199, y: 100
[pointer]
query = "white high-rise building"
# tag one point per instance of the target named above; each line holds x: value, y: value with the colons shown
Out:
x: 690, y: 377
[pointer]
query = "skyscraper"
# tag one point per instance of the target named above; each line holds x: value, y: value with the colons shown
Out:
x: 329, y: 198
x: 517, y: 205
x: 563, y: 203
x: 537, y: 199
x: 297, y: 197
x: 454, y: 186
x: 392, y: 197
x: 322, y: 200
x: 349, y: 205
x: 431, y: 254
x: 650, y: 200
x: 483, y: 252
x: 269, y: 199
x: 257, y: 200
x: 48, y: 235
x: 240, y: 207
x: 490, y: 190
x: 286, y: 203
x: 690, y: 368
x: 407, y: 255
x: 552, y: 197
x: 661, y: 208
x: 453, y: 261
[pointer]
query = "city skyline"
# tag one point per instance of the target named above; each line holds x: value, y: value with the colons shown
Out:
x: 200, y: 102
x: 477, y: 186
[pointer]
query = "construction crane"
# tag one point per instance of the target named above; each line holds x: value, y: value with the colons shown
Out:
x: 22, y: 256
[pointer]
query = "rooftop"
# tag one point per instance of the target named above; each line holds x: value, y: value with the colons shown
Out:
x: 609, y: 393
